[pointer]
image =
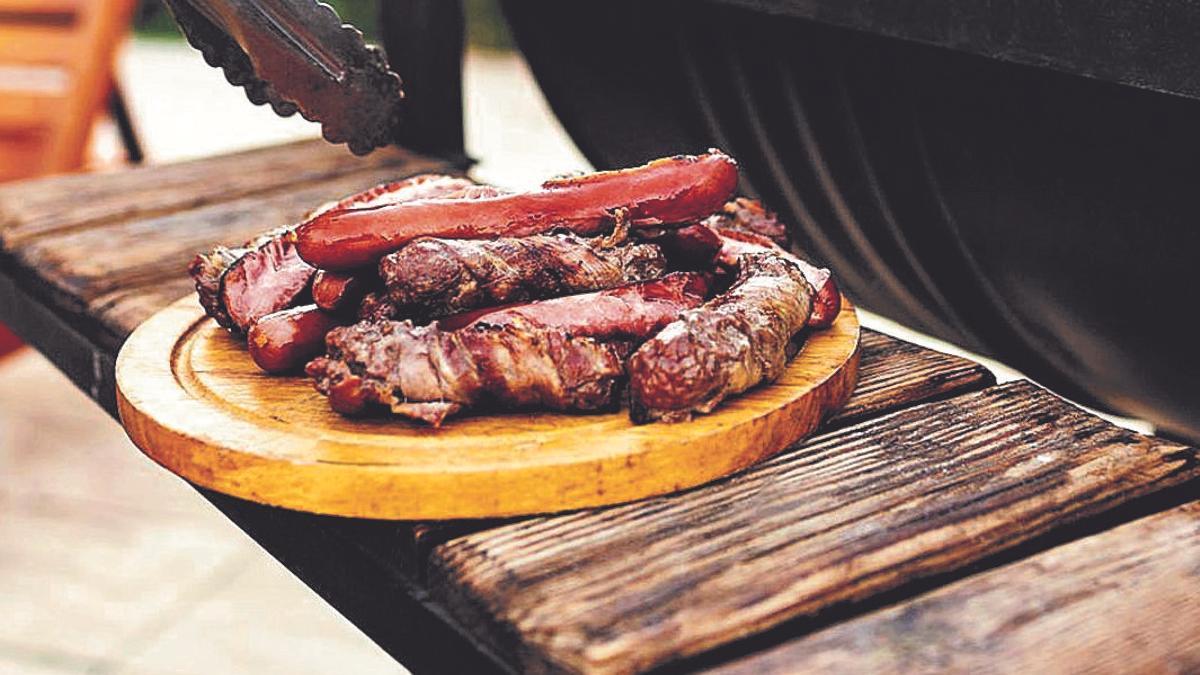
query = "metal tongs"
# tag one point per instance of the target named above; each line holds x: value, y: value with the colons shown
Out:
x: 298, y: 56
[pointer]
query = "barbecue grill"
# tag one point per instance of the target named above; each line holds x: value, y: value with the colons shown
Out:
x: 1014, y: 177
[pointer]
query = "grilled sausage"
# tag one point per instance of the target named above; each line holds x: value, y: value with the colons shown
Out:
x: 666, y: 191
x: 827, y: 299
x: 286, y: 340
x: 736, y: 341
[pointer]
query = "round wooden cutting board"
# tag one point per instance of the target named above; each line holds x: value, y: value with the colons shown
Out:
x: 192, y: 400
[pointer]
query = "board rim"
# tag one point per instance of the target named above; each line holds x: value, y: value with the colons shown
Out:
x: 167, y: 422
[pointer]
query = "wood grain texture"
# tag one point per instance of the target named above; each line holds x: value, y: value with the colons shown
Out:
x: 192, y: 400
x: 147, y: 250
x: 842, y: 517
x: 1122, y: 601
x: 46, y: 292
x: 894, y: 374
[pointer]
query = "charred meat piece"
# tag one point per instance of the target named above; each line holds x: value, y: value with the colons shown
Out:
x: 749, y: 215
x: 628, y: 313
x: 428, y: 374
x: 734, y: 342
x: 436, y: 277
x: 667, y: 191
x: 238, y: 286
x: 206, y: 270
x: 376, y: 307
x: 827, y: 302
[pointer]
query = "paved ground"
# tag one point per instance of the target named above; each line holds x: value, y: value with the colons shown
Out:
x: 110, y: 565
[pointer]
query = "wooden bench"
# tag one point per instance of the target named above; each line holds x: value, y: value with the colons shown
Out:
x: 940, y: 521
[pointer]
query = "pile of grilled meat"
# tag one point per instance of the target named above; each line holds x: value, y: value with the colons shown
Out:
x: 433, y: 295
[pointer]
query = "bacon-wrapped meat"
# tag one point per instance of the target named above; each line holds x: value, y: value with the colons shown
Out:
x: 629, y: 313
x: 674, y: 190
x: 437, y: 277
x: 428, y: 374
x: 735, y: 341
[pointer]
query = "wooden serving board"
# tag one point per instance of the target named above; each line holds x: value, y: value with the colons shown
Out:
x: 191, y: 399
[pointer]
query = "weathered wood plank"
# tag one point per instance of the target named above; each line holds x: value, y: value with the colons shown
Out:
x: 120, y: 311
x: 1122, y: 601
x: 894, y: 374
x: 45, y: 206
x: 86, y: 266
x: 112, y: 265
x: 841, y: 518
x: 87, y: 263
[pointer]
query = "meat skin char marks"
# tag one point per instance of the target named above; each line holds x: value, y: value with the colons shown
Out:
x: 426, y: 373
x: 437, y: 277
x: 736, y: 341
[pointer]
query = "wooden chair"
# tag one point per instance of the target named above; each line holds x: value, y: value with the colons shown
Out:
x: 56, y: 64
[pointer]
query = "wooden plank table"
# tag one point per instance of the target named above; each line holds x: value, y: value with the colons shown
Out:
x: 938, y: 522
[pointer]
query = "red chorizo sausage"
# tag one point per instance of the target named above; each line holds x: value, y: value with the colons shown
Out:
x: 666, y: 191
x: 286, y: 340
